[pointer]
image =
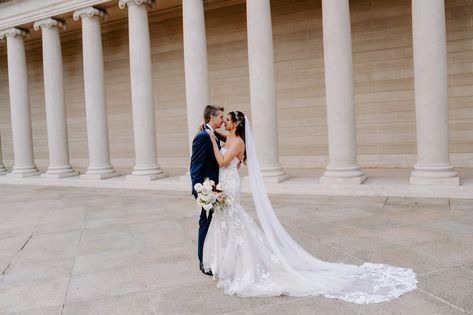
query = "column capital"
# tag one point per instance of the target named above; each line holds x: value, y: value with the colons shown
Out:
x: 49, y: 23
x: 89, y: 12
x: 12, y: 32
x: 123, y: 3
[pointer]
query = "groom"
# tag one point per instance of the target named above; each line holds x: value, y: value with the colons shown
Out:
x: 204, y: 164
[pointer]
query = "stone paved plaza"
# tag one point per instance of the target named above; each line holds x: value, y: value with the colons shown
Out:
x: 109, y: 251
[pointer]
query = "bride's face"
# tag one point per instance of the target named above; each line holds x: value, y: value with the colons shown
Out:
x: 229, y: 124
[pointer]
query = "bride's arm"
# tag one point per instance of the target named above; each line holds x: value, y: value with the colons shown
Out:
x: 221, y: 135
x: 232, y: 152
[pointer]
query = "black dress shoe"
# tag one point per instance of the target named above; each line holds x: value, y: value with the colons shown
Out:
x: 208, y: 273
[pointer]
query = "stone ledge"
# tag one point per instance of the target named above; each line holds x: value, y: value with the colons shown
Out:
x: 379, y: 185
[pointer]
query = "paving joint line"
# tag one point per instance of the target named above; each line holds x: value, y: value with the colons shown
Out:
x: 70, y: 277
x: 385, y: 202
x: 442, y: 300
x: 137, y: 291
x: 443, y: 269
x: 16, y: 255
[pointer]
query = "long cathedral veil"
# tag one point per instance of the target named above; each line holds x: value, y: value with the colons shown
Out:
x: 368, y: 283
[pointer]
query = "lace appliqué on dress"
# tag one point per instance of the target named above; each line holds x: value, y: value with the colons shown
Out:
x: 243, y: 262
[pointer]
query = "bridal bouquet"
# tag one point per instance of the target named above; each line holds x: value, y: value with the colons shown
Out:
x: 210, y: 196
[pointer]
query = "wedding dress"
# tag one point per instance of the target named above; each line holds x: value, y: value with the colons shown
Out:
x: 251, y: 262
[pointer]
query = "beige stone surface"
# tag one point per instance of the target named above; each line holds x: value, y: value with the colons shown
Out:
x: 134, y: 252
x: 383, y: 70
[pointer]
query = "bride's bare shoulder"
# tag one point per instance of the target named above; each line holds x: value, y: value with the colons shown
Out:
x: 239, y: 143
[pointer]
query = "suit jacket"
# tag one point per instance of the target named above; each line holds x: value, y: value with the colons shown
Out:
x: 203, y: 162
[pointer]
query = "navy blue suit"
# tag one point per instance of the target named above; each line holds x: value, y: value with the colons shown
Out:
x: 203, y: 164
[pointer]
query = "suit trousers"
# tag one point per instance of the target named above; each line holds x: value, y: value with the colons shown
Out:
x: 204, y: 223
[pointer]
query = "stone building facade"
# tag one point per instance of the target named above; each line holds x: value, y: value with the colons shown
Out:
x: 340, y: 85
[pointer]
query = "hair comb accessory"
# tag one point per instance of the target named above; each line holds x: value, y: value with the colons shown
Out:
x: 238, y: 120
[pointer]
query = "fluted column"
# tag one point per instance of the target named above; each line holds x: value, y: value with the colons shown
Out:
x: 19, y: 104
x: 56, y: 122
x: 431, y: 99
x: 343, y: 167
x: 144, y: 128
x: 196, y: 64
x: 95, y: 99
x: 3, y: 170
x: 262, y: 89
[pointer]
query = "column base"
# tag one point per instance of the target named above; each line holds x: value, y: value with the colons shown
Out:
x: 349, y: 175
x: 17, y: 174
x: 100, y: 172
x: 99, y: 176
x: 434, y: 175
x: 59, y: 172
x: 273, y: 174
x: 146, y: 173
x: 3, y: 170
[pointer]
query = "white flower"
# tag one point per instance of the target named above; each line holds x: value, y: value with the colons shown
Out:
x: 211, y: 182
x: 219, y: 186
x: 212, y: 198
x: 208, y: 207
x: 198, y: 187
x: 207, y: 189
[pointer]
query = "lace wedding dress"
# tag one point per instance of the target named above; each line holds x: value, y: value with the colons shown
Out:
x: 251, y: 262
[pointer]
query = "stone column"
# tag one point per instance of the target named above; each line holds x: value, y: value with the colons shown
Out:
x: 343, y: 167
x: 430, y: 82
x: 56, y: 122
x: 144, y: 128
x: 20, y: 104
x: 95, y: 99
x: 3, y: 170
x: 262, y: 89
x: 196, y: 64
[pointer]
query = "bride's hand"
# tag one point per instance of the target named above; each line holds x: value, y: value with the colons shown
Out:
x: 211, y: 134
x: 202, y: 125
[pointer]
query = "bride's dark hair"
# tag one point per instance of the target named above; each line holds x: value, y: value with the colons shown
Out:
x: 239, y: 118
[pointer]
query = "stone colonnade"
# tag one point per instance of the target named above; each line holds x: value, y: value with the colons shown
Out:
x: 430, y: 76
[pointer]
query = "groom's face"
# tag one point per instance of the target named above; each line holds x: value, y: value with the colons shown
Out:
x: 217, y: 120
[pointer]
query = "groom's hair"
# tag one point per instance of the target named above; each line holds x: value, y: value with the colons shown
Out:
x: 211, y: 110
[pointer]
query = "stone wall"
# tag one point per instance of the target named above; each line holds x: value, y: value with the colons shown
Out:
x: 382, y: 54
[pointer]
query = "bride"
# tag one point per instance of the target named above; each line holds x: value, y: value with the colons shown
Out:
x: 251, y: 262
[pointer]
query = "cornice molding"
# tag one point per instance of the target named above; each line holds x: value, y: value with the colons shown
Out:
x: 45, y: 11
